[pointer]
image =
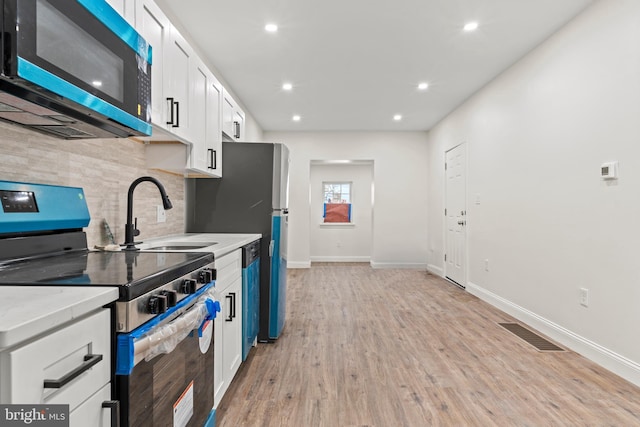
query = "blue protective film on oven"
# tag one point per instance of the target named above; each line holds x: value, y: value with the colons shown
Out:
x: 54, y: 207
x: 125, y: 357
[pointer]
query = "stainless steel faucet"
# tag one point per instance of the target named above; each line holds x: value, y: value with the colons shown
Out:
x: 131, y: 227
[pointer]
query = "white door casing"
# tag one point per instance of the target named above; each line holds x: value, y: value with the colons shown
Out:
x: 456, y: 215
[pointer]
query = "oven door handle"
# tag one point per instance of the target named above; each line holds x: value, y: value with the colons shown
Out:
x: 89, y: 361
x: 164, y: 338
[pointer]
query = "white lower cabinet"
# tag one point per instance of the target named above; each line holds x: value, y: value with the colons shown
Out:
x: 71, y: 366
x: 228, y: 323
x: 91, y: 412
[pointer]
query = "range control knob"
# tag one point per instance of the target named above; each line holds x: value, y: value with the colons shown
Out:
x: 157, y: 304
x: 172, y: 297
x: 205, y: 275
x: 188, y: 286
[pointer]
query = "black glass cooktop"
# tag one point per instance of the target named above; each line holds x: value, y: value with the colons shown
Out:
x: 134, y: 272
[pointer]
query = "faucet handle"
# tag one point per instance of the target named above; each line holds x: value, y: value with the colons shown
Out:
x: 136, y: 232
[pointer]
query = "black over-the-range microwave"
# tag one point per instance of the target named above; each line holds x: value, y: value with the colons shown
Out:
x: 73, y: 69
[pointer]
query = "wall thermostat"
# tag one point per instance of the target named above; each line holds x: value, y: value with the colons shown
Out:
x: 609, y: 170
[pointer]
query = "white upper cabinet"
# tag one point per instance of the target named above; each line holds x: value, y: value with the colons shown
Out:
x: 178, y: 56
x: 205, y: 114
x: 232, y: 118
x: 154, y: 27
x: 214, y: 127
x: 199, y: 154
x: 170, y: 72
x: 190, y: 109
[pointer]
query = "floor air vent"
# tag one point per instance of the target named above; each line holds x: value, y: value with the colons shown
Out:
x: 532, y: 338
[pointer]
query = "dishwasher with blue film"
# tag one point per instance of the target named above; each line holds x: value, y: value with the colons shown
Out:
x: 250, y: 296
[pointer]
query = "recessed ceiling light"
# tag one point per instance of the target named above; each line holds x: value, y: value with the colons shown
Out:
x: 397, y: 117
x: 471, y: 26
x: 287, y: 86
x: 423, y: 86
x: 271, y: 28
x: 296, y: 118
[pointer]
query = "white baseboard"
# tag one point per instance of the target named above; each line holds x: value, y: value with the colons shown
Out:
x: 606, y: 358
x: 340, y: 259
x: 298, y: 264
x: 434, y: 269
x: 408, y: 265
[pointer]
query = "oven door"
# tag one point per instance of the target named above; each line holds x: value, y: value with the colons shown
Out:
x: 106, y: 71
x: 164, y: 371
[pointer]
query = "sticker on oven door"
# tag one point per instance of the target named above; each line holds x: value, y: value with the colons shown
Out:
x: 183, y: 408
x: 205, y: 334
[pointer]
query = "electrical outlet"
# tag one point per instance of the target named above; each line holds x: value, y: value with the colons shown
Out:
x: 161, y: 214
x: 486, y: 265
x: 584, y: 297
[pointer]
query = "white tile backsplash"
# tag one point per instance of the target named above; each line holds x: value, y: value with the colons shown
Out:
x: 104, y: 168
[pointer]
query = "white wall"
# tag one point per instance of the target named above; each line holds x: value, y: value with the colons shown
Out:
x: 400, y: 179
x: 549, y: 225
x: 340, y: 242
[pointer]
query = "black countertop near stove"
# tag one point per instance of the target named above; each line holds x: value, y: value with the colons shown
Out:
x: 134, y: 272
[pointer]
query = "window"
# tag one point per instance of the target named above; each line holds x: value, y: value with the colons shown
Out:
x: 337, y: 202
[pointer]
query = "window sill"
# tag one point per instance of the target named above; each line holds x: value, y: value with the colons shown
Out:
x: 337, y: 224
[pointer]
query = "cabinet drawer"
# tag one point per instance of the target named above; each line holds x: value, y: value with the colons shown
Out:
x: 91, y: 412
x: 229, y: 268
x: 56, y: 355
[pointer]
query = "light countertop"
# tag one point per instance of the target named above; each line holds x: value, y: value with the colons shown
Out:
x: 27, y: 311
x: 224, y: 242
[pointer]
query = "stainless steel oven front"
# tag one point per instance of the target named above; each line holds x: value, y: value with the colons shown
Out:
x: 164, y: 368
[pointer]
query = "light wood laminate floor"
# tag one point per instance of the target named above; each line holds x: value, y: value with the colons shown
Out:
x: 365, y: 347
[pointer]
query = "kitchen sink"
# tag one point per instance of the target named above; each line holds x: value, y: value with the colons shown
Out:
x: 181, y: 246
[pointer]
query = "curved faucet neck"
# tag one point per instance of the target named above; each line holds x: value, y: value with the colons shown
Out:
x: 131, y: 229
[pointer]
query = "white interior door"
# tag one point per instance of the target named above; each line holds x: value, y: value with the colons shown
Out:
x: 456, y: 215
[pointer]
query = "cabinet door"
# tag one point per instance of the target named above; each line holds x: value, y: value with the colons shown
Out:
x: 199, y: 115
x: 232, y: 339
x: 91, y: 412
x: 228, y: 329
x: 232, y: 118
x: 228, y: 107
x: 214, y: 135
x: 82, y: 349
x: 238, y: 123
x: 178, y: 58
x: 154, y: 27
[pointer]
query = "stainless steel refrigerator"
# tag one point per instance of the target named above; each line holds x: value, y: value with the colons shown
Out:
x: 251, y: 197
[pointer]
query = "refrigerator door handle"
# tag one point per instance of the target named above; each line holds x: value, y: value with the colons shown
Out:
x: 271, y: 243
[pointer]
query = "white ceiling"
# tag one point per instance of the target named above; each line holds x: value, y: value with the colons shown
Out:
x: 355, y: 64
